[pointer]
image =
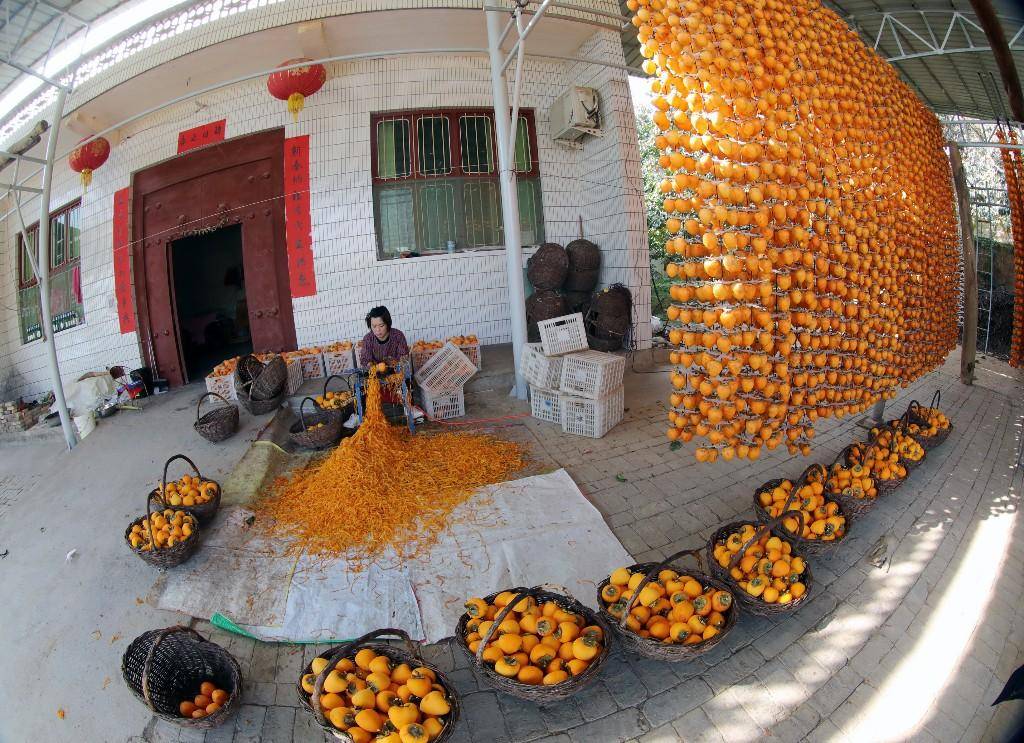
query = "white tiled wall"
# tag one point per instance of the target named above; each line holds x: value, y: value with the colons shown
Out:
x: 429, y: 297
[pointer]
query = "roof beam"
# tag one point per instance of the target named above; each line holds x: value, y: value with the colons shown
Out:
x: 1001, y: 51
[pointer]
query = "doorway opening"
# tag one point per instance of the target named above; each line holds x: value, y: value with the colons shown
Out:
x: 209, y: 298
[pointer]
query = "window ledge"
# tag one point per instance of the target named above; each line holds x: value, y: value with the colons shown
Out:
x: 441, y: 255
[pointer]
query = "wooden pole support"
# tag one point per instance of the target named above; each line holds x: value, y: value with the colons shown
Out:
x: 969, y: 341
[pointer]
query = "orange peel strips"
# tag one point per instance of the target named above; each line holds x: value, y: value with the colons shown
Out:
x: 385, y: 489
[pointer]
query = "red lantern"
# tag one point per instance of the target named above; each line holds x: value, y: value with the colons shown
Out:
x: 295, y: 84
x: 89, y: 156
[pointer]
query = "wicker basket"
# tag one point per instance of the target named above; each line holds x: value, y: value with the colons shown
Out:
x: 582, y: 280
x: 546, y: 269
x: 885, y: 487
x: 271, y: 381
x: 316, y: 438
x: 540, y: 694
x: 656, y: 649
x: 852, y: 508
x: 219, y: 423
x: 611, y: 312
x: 345, y: 412
x: 805, y: 546
x: 542, y: 305
x: 164, y: 667
x: 248, y: 368
x: 410, y: 655
x: 205, y: 512
x: 916, y: 415
x: 260, y: 407
x: 166, y: 557
x: 753, y: 604
x: 583, y: 255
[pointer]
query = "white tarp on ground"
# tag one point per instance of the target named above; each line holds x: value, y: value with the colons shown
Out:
x: 525, y: 532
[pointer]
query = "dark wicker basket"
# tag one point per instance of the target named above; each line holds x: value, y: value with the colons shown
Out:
x: 543, y: 305
x: 753, y: 604
x: 583, y: 255
x: 539, y: 693
x: 260, y: 407
x: 349, y: 409
x: 271, y: 381
x: 577, y: 301
x: 582, y: 280
x: 611, y: 312
x: 853, y: 508
x: 246, y: 370
x: 885, y: 487
x: 806, y: 546
x: 204, y: 512
x: 599, y: 343
x: 166, y: 557
x: 316, y: 438
x: 547, y: 267
x: 914, y: 414
x: 165, y: 667
x: 219, y: 423
x: 311, y: 702
x: 656, y: 649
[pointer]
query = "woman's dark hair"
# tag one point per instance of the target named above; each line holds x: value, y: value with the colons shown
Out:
x: 379, y: 312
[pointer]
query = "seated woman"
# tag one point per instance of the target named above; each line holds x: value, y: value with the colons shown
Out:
x: 383, y: 343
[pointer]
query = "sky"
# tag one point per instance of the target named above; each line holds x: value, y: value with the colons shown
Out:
x: 638, y: 87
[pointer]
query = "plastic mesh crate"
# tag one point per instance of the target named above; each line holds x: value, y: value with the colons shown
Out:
x: 472, y: 351
x: 339, y: 362
x: 540, y: 370
x: 591, y: 374
x: 583, y: 416
x: 311, y: 364
x: 223, y: 385
x: 449, y: 369
x: 444, y: 405
x: 545, y: 404
x: 421, y: 356
x: 562, y: 335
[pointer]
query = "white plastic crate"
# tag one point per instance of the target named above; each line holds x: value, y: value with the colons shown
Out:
x: 540, y: 370
x: 545, y: 404
x: 421, y: 356
x: 223, y: 386
x: 583, y: 416
x: 562, y: 335
x: 311, y: 365
x: 472, y: 351
x: 449, y: 369
x: 591, y: 374
x: 338, y: 362
x: 444, y: 405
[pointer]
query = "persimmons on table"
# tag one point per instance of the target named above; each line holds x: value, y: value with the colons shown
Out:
x: 813, y: 237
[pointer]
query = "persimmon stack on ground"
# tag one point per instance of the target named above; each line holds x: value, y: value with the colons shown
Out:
x: 814, y: 239
x: 384, y: 488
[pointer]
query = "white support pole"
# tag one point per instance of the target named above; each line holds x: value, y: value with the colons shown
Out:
x: 509, y: 199
x: 44, y: 274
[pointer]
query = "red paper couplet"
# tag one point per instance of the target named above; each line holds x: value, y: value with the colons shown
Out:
x: 201, y: 136
x: 123, y: 263
x: 298, y: 226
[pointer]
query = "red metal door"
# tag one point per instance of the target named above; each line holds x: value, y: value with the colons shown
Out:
x: 235, y: 182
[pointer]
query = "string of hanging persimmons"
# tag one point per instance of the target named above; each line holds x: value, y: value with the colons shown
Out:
x: 1013, y: 169
x: 813, y: 245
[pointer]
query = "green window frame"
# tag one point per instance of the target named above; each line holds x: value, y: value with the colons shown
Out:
x: 435, y: 181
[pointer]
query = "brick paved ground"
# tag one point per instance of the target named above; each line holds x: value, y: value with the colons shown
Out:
x: 913, y: 633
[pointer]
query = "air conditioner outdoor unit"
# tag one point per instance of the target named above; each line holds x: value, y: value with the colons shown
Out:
x: 575, y: 113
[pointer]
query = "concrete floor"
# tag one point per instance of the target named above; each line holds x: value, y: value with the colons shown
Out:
x: 66, y: 624
x: 915, y: 651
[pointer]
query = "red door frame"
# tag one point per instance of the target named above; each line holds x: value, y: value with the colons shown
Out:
x: 257, y: 162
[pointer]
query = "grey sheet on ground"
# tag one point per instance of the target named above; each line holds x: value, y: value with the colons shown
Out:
x: 525, y: 532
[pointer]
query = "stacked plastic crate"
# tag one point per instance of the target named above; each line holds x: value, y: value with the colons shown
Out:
x: 570, y: 384
x: 442, y: 380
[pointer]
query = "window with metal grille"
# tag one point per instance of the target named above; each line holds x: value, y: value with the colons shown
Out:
x: 435, y: 181
x: 65, y: 275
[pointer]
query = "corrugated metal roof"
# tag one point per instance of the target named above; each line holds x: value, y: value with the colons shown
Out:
x: 29, y: 29
x: 937, y: 46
